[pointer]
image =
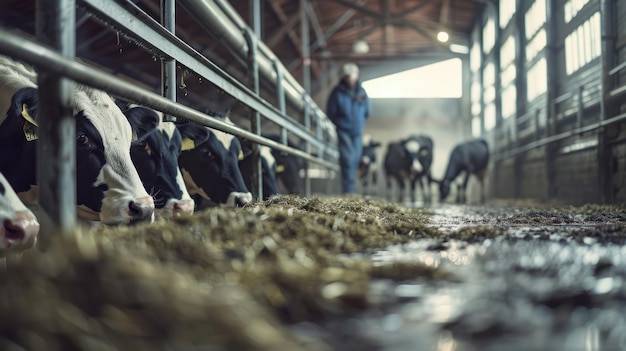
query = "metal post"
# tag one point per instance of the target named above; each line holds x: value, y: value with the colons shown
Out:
x: 307, y: 124
x: 496, y: 58
x: 306, y: 55
x: 520, y: 84
x: 551, y: 150
x: 608, y: 18
x: 168, y: 65
x: 579, y: 107
x: 56, y: 149
x: 255, y: 8
x: 255, y: 117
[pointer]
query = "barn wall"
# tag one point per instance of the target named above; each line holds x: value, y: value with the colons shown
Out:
x: 583, y: 167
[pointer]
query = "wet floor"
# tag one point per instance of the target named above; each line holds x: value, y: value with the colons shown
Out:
x: 521, y: 279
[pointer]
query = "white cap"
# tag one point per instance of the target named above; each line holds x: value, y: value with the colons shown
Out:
x: 350, y: 69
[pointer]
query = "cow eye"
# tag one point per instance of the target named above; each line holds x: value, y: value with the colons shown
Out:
x: 82, y: 139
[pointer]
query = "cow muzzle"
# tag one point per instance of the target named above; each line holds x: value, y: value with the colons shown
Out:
x: 239, y: 199
x: 141, y: 210
x: 175, y: 208
x: 18, y: 233
x: 416, y: 167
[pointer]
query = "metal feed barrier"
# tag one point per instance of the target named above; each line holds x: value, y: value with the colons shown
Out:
x: 57, y: 72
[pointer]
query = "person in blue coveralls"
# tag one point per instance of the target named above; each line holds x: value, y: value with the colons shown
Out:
x: 348, y: 107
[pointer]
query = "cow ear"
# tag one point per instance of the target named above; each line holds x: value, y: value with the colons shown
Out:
x: 192, y: 134
x: 142, y: 120
x: 376, y: 144
x: 24, y: 103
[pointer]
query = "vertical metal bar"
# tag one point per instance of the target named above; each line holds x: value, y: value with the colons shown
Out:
x: 255, y: 7
x: 255, y: 117
x: 168, y: 66
x: 579, y: 107
x: 496, y: 58
x: 306, y: 49
x: 280, y: 89
x: 608, y: 19
x: 56, y: 149
x: 307, y: 124
x: 520, y: 85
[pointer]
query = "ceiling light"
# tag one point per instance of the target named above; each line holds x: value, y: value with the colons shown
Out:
x: 443, y: 36
x: 459, y: 49
x: 360, y: 47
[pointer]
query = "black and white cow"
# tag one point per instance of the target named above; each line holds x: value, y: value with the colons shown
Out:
x: 368, y: 166
x: 209, y: 164
x: 288, y: 168
x: 471, y: 157
x: 268, y: 168
x: 18, y: 225
x: 108, y: 186
x: 409, y: 159
x: 155, y: 155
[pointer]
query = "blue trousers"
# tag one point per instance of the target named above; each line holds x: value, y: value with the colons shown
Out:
x: 350, y: 148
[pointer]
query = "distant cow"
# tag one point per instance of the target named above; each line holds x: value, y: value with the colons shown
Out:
x: 471, y: 157
x: 155, y: 155
x: 18, y: 225
x: 108, y: 186
x: 209, y: 164
x: 288, y: 167
x: 368, y: 166
x: 409, y: 159
x: 268, y: 168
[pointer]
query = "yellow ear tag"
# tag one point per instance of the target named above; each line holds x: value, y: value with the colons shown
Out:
x: 30, y: 131
x: 135, y: 137
x: 424, y: 152
x: 280, y: 168
x: 188, y: 144
x: 240, y: 156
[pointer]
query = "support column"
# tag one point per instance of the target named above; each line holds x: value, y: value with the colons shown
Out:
x: 608, y: 19
x: 551, y: 149
x: 168, y: 65
x: 56, y: 149
x: 255, y: 116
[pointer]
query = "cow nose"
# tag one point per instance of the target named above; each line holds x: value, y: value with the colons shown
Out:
x: 243, y: 199
x: 141, y: 210
x: 183, y: 207
x: 20, y: 232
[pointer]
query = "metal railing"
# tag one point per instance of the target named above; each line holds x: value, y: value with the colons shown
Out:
x: 578, y: 130
x: 136, y: 24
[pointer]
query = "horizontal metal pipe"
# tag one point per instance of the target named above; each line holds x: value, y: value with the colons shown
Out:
x: 26, y: 50
x: 219, y: 17
x: 151, y: 32
x: 557, y: 137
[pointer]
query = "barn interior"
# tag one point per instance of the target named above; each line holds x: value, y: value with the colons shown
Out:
x: 537, y: 265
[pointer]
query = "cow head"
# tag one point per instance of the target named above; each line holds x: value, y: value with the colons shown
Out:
x: 108, y: 187
x: 368, y: 153
x: 155, y: 155
x: 412, y: 149
x: 209, y: 163
x: 444, y: 189
x: 18, y: 225
x: 268, y: 168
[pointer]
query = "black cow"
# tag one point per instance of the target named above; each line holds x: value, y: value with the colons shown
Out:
x: 471, y: 157
x: 18, y: 225
x: 108, y: 187
x: 209, y: 163
x: 268, y: 168
x: 409, y: 159
x: 368, y: 167
x: 155, y: 155
x: 288, y: 168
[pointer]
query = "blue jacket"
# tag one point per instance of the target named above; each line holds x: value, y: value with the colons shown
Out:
x: 348, y: 108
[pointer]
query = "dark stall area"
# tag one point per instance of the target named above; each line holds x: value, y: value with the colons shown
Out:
x: 442, y: 175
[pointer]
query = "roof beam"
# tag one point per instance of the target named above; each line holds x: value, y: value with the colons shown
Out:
x: 286, y: 27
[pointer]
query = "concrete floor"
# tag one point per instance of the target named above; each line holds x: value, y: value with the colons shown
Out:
x: 522, y: 279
